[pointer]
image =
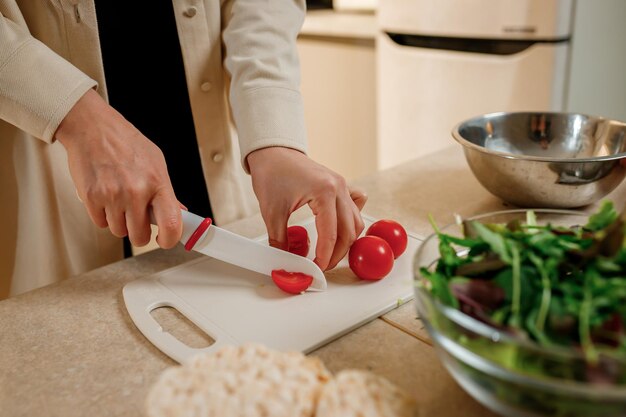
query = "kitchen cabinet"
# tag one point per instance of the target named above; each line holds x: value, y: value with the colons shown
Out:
x: 338, y: 61
x: 443, y: 62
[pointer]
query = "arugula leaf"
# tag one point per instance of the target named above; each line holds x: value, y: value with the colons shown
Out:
x: 544, y: 268
x: 584, y: 319
x: 603, y: 218
x: 517, y: 287
x: 495, y: 241
x: 531, y: 218
x: 439, y: 287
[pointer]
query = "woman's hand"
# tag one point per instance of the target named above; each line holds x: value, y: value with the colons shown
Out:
x: 285, y: 179
x: 119, y: 174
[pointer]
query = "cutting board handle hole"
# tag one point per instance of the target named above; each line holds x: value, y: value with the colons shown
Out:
x: 180, y: 327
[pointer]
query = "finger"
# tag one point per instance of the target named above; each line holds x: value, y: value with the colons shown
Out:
x: 96, y: 212
x: 116, y: 220
x: 168, y: 218
x: 97, y: 215
x: 356, y: 208
x: 276, y: 224
x: 358, y: 196
x: 138, y: 224
x: 359, y: 224
x: 326, y: 226
x: 346, y: 232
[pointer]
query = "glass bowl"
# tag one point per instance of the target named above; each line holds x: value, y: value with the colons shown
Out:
x: 508, y: 374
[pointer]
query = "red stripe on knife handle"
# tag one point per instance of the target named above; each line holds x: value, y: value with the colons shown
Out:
x: 195, y: 236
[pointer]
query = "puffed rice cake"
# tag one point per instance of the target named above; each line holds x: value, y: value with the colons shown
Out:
x: 355, y: 393
x: 244, y: 381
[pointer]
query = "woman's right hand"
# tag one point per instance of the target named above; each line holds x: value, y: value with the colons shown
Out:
x: 119, y: 174
x: 285, y: 180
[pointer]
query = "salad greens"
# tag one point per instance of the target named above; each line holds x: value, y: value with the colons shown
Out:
x: 553, y: 284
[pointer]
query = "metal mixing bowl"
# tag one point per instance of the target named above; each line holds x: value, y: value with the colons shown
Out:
x: 559, y: 160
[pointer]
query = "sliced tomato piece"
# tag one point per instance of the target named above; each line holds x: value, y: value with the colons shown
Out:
x: 291, y: 282
x: 298, y: 240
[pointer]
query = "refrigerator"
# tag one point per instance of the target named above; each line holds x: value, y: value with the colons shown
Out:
x: 443, y: 61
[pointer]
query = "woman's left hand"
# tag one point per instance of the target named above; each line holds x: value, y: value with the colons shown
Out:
x: 285, y: 179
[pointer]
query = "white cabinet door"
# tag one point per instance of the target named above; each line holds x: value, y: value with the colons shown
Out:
x: 423, y: 93
x: 338, y: 89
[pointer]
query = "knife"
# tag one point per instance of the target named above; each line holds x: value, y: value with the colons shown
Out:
x: 201, y: 236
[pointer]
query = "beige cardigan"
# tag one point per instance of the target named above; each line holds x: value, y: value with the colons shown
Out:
x: 50, y: 56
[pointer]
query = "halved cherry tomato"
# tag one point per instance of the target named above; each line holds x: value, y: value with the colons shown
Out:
x: 291, y: 282
x: 392, y: 232
x: 298, y: 240
x: 370, y: 258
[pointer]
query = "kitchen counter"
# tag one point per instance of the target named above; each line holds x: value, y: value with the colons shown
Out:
x: 330, y: 23
x: 70, y: 349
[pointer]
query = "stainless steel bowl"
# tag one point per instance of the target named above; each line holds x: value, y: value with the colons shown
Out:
x: 560, y: 160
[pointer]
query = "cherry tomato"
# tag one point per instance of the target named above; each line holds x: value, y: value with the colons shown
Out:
x: 392, y: 232
x: 291, y: 282
x: 370, y: 258
x: 298, y: 240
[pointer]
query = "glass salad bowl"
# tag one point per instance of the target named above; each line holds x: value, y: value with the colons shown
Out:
x: 508, y: 371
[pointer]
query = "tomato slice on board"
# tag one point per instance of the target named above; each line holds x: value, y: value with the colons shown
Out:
x: 291, y: 282
x: 392, y: 232
x: 370, y: 258
x: 298, y: 240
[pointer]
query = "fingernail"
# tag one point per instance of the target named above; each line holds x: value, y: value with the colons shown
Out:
x: 276, y: 244
x: 317, y: 262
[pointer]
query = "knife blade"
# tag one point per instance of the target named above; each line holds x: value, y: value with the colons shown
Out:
x: 246, y: 253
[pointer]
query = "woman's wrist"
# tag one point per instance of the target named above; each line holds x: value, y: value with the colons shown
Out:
x: 79, y: 118
x: 256, y: 159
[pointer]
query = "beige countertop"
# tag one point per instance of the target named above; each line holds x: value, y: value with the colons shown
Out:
x: 333, y: 24
x: 70, y: 349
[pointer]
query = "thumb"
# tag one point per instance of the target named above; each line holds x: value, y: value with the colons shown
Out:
x: 358, y: 196
x: 166, y: 211
x: 277, y: 230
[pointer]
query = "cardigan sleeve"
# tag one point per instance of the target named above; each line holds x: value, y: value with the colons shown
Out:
x: 37, y: 86
x: 261, y: 57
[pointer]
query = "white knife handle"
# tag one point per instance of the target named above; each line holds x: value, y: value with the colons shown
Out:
x: 191, y: 223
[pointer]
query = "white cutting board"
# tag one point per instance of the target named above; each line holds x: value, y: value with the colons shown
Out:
x: 235, y: 306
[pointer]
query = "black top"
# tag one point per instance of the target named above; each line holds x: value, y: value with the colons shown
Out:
x: 146, y: 83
